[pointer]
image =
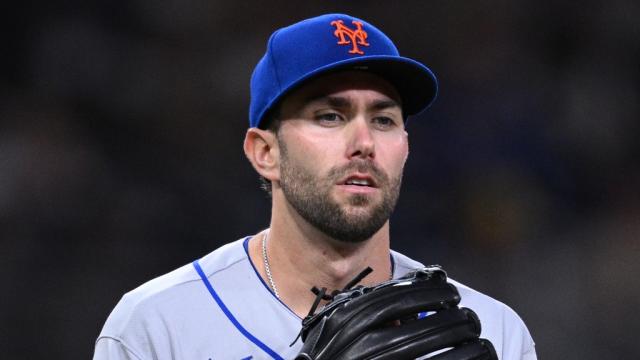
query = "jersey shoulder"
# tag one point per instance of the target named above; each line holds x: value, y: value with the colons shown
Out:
x: 142, y: 313
x: 500, y: 323
x: 404, y: 264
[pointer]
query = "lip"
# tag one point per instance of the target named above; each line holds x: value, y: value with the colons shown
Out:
x: 359, y: 176
x: 358, y: 189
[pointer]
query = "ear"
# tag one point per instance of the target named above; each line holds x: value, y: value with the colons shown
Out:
x: 261, y: 148
x: 406, y: 135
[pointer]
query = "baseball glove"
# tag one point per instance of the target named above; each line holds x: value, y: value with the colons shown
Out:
x: 405, y: 318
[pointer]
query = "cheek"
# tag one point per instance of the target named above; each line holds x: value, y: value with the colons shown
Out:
x: 395, y: 155
x: 312, y: 153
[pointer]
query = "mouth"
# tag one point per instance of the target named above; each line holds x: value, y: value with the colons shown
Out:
x: 359, y: 180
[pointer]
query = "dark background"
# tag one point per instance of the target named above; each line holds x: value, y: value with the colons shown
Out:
x: 121, y: 126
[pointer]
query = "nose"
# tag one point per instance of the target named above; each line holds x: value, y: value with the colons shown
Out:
x: 361, y: 143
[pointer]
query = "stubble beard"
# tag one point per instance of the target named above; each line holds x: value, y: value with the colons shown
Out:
x: 310, y: 196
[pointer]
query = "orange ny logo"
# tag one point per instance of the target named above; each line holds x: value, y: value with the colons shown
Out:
x: 348, y: 36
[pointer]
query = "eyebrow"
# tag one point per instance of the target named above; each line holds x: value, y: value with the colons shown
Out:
x: 343, y: 102
x: 385, y: 104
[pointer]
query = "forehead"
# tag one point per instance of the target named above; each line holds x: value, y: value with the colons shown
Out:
x: 340, y: 82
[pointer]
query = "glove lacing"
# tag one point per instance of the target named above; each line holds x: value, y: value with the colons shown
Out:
x: 321, y: 294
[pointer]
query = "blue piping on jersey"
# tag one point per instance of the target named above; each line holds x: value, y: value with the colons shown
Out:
x: 232, y: 318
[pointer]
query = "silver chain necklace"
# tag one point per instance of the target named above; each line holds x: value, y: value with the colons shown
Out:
x: 267, y: 268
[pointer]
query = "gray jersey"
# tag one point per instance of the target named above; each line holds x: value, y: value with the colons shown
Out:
x: 220, y: 308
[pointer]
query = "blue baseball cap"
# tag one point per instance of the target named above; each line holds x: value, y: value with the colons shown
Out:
x: 334, y: 42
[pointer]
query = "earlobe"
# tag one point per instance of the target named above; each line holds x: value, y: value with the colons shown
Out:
x: 261, y: 149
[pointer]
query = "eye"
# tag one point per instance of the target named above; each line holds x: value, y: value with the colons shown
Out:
x: 329, y: 118
x: 384, y: 122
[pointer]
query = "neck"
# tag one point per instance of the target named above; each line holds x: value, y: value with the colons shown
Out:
x: 301, y: 257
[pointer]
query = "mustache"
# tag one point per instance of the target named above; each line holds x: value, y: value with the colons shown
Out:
x: 362, y: 166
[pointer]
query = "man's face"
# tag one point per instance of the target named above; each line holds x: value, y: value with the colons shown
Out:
x: 342, y: 151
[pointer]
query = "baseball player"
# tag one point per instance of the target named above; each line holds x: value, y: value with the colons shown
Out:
x: 327, y: 136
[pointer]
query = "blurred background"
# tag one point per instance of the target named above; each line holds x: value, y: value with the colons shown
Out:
x: 121, y: 127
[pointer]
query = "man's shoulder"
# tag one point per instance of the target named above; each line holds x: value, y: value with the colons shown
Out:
x: 171, y: 288
x: 485, y: 304
x: 177, y: 308
x: 470, y: 296
x: 500, y: 323
x: 214, y: 262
